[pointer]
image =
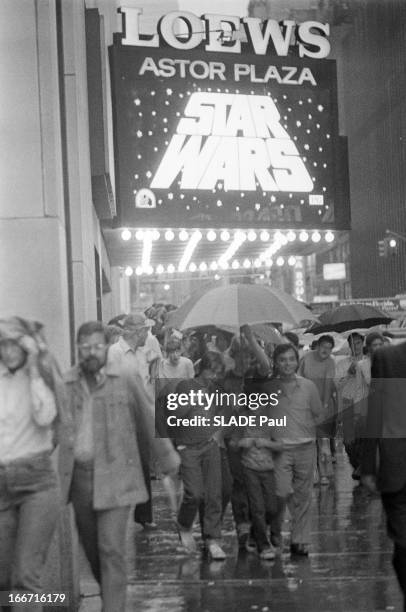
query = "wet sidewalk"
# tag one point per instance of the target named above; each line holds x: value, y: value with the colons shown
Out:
x: 349, y: 567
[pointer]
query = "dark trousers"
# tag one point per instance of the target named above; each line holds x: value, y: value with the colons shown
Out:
x: 143, y: 512
x: 239, y: 495
x: 29, y: 512
x: 262, y: 499
x: 395, y: 509
x: 354, y: 452
x: 103, y: 537
x: 200, y: 471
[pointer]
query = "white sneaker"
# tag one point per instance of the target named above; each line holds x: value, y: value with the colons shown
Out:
x: 187, y: 540
x: 250, y: 545
x: 267, y: 554
x: 215, y: 551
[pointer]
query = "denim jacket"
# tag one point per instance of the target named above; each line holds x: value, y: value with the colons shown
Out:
x: 119, y: 409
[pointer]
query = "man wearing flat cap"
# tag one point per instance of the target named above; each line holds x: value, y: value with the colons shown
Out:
x: 137, y: 348
x: 133, y: 353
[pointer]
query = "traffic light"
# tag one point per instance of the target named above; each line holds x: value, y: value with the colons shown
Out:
x: 388, y: 246
x: 383, y: 247
x: 392, y: 245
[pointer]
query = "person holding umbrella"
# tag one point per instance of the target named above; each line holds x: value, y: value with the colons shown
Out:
x: 319, y: 366
x: 353, y: 391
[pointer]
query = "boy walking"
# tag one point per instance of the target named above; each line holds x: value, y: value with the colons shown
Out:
x: 258, y: 469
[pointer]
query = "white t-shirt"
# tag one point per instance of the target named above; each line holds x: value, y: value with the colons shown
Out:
x: 184, y: 369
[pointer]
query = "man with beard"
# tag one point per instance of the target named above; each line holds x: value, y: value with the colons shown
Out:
x: 108, y: 408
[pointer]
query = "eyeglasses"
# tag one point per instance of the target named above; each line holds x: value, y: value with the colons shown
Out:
x: 86, y: 348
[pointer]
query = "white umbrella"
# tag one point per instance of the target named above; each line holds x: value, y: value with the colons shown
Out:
x: 240, y: 304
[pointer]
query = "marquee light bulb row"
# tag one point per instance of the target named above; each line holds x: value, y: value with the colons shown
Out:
x: 224, y: 265
x: 225, y: 261
x: 225, y: 235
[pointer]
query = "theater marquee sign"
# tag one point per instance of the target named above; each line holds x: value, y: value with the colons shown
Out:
x: 211, y: 131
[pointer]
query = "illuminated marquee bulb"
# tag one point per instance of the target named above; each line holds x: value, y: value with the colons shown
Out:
x: 128, y: 271
x: 149, y: 270
x: 257, y: 263
x: 167, y: 287
x: 125, y: 234
x: 192, y: 267
x: 264, y: 236
x: 280, y: 261
x: 183, y: 235
x: 225, y: 235
x: 203, y: 266
x: 189, y: 250
x: 251, y: 236
x: 303, y: 236
x: 170, y: 269
x: 155, y: 234
x: 169, y: 235
x: 139, y: 234
x: 316, y: 237
x: 292, y: 261
x: 211, y: 236
x: 138, y: 270
x: 213, y: 265
x: 235, y: 265
x: 329, y: 237
x: 246, y: 264
x: 160, y: 269
x: 291, y: 236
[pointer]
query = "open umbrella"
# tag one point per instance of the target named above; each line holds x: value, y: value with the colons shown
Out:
x: 349, y: 317
x: 267, y: 333
x: 232, y: 306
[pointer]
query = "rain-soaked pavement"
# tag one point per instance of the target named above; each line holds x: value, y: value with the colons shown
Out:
x: 349, y: 567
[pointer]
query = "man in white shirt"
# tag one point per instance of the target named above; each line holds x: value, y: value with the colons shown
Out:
x: 352, y: 392
x: 29, y: 490
x: 137, y: 348
x: 134, y: 353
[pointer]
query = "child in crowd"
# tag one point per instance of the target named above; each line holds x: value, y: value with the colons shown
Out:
x: 258, y: 468
x: 200, y: 469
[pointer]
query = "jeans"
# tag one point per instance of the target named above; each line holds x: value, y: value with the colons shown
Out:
x: 263, y: 504
x: 294, y: 474
x: 200, y: 471
x: 29, y: 512
x: 239, y: 496
x: 103, y: 536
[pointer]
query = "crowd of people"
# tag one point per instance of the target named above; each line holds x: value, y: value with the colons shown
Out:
x: 108, y: 415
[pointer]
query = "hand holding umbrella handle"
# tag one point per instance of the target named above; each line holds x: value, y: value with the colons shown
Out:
x: 247, y: 332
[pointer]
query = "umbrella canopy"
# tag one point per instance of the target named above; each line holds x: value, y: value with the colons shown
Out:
x: 349, y: 317
x: 232, y: 306
x: 267, y: 333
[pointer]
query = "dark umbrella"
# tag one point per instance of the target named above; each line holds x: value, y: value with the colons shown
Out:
x: 350, y: 316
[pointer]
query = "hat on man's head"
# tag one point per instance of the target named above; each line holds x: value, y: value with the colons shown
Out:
x: 137, y: 321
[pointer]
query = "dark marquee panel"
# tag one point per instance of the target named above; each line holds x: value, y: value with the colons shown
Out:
x: 236, y: 172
